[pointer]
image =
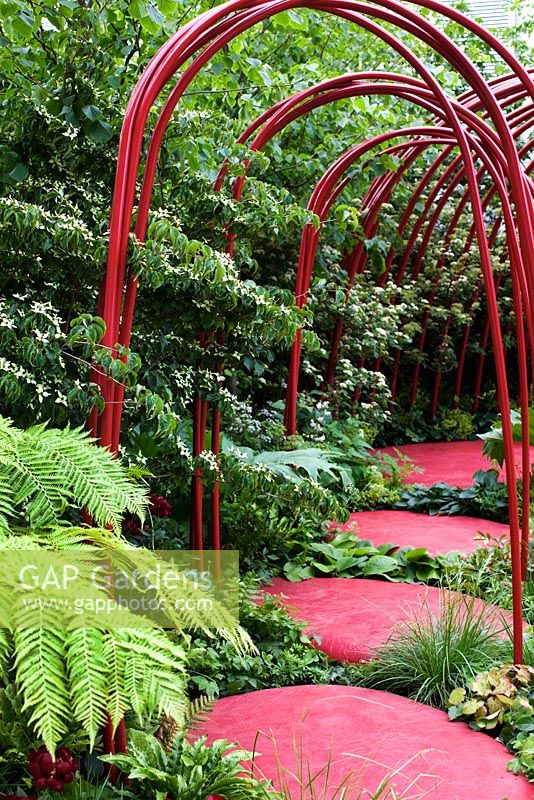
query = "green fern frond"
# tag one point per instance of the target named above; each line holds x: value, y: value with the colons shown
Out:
x: 7, y: 457
x: 43, y: 470
x: 154, y: 674
x: 114, y: 657
x: 87, y: 672
x: 6, y: 503
x: 5, y: 648
x: 95, y: 480
x: 67, y: 538
x: 197, y: 711
x: 42, y: 681
x: 212, y: 618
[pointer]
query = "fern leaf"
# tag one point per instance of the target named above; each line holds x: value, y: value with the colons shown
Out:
x: 6, y: 503
x: 42, y: 680
x: 96, y: 480
x: 115, y: 663
x: 154, y: 675
x: 136, y: 682
x: 43, y: 470
x: 87, y: 673
x: 7, y: 464
x: 5, y: 649
x: 197, y: 711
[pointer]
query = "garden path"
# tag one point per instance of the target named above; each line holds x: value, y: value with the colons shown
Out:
x: 453, y: 462
x: 439, y: 534
x: 369, y: 734
x: 349, y: 618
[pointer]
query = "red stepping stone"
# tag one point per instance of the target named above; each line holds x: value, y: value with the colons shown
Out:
x: 351, y: 617
x: 452, y: 462
x: 367, y: 735
x: 438, y: 534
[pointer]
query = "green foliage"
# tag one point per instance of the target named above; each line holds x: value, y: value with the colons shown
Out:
x: 14, y: 739
x: 282, y: 655
x: 380, y: 485
x: 191, y: 770
x: 78, y: 676
x: 493, y: 447
x: 501, y: 701
x: 487, y: 573
x: 266, y: 516
x: 416, y: 424
x: 318, y: 465
x: 68, y: 70
x: 44, y: 470
x: 431, y: 654
x: 456, y: 425
x: 487, y: 497
x: 343, y: 555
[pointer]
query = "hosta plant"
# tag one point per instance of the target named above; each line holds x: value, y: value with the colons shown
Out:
x: 343, y: 555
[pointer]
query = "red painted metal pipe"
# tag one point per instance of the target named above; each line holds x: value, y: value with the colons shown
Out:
x: 172, y: 56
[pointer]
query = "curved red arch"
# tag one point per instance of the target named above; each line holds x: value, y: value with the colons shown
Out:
x: 117, y: 301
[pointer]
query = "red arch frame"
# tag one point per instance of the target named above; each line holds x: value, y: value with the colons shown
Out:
x: 117, y: 299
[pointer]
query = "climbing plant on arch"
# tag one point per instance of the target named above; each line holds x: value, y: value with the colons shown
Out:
x: 476, y: 127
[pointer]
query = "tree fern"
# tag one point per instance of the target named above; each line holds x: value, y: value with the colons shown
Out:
x: 81, y: 674
x: 43, y: 470
x: 114, y: 657
x: 154, y: 673
x: 5, y: 647
x: 41, y: 676
x: 87, y: 671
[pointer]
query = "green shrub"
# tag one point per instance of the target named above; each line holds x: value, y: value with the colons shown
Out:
x: 456, y: 424
x: 487, y: 497
x: 188, y: 770
x: 343, y: 555
x: 487, y: 573
x: 283, y: 655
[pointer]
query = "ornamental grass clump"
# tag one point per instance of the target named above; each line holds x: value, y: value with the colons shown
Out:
x: 304, y: 781
x: 431, y: 654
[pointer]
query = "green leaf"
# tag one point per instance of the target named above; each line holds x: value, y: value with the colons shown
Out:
x: 380, y: 565
x: 100, y: 131
x: 91, y: 112
x: 456, y: 696
x: 19, y: 173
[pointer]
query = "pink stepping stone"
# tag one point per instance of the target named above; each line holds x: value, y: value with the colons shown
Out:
x: 351, y: 617
x: 366, y: 735
x: 437, y: 534
x: 452, y: 462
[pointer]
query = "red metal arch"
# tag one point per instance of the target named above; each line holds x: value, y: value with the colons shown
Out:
x: 320, y: 204
x: 225, y: 22
x: 522, y: 114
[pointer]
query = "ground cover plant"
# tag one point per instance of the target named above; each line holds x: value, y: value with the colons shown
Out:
x: 499, y: 701
x: 283, y: 654
x: 487, y: 498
